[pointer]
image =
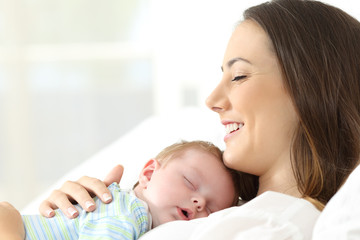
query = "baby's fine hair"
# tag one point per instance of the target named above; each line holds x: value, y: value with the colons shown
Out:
x: 246, y: 185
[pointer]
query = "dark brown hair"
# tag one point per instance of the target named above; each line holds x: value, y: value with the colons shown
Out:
x: 318, y: 49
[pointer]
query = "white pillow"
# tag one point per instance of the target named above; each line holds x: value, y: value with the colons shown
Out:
x: 341, y: 216
x: 136, y: 147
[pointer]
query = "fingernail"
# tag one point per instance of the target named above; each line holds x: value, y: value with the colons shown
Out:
x: 50, y: 213
x: 106, y: 197
x: 89, y: 204
x: 72, y: 211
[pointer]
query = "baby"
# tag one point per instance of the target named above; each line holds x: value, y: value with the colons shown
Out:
x: 178, y: 184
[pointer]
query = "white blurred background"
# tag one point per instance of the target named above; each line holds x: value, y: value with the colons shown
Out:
x: 77, y: 75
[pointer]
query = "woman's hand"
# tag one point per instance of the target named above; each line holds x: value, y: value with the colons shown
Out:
x: 80, y: 192
x: 11, y: 224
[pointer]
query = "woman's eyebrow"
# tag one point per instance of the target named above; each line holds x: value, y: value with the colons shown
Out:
x: 234, y: 60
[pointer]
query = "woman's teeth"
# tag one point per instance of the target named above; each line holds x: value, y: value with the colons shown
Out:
x: 229, y: 128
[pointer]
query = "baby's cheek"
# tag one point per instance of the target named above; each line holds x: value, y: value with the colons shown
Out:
x: 161, y: 193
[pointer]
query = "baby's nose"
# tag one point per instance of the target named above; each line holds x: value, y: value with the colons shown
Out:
x: 199, y: 203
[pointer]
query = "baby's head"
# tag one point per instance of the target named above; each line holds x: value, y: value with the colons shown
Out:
x: 188, y: 180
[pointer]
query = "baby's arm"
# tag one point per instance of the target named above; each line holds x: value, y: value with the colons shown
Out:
x: 11, y: 224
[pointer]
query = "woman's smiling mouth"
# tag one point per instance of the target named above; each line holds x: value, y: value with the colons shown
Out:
x: 232, y: 127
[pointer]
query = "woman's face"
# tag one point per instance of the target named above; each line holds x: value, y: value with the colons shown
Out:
x: 253, y: 105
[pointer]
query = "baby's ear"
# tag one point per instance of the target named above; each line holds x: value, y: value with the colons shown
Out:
x: 147, y: 172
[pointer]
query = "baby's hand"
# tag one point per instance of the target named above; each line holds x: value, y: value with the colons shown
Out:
x: 11, y: 224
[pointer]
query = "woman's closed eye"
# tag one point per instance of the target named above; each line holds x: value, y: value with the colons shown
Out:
x: 238, y: 78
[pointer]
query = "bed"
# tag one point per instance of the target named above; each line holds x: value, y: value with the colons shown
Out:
x: 339, y: 220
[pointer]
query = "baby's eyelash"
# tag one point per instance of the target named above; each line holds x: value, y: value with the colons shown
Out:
x: 189, y: 183
x: 237, y: 78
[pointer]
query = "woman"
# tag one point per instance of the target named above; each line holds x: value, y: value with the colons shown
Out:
x: 289, y: 100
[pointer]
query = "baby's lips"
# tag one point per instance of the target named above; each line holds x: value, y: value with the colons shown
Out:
x: 185, y: 214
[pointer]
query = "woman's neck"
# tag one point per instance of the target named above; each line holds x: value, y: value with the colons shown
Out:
x: 282, y: 181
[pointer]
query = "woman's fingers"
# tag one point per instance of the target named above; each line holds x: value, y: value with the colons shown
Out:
x: 61, y: 198
x: 80, y: 191
x: 114, y: 175
x: 95, y: 187
x: 46, y: 209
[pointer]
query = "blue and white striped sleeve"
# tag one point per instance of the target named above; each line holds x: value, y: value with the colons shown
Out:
x: 125, y: 218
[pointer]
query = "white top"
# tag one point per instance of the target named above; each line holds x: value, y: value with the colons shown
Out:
x: 271, y: 215
x: 341, y: 216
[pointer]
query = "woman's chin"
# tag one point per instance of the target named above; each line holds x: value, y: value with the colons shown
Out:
x: 234, y: 161
x: 229, y: 161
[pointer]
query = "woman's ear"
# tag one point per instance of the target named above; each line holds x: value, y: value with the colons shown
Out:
x: 147, y: 172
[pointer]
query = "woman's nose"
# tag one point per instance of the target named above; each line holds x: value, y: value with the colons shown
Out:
x: 217, y: 100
